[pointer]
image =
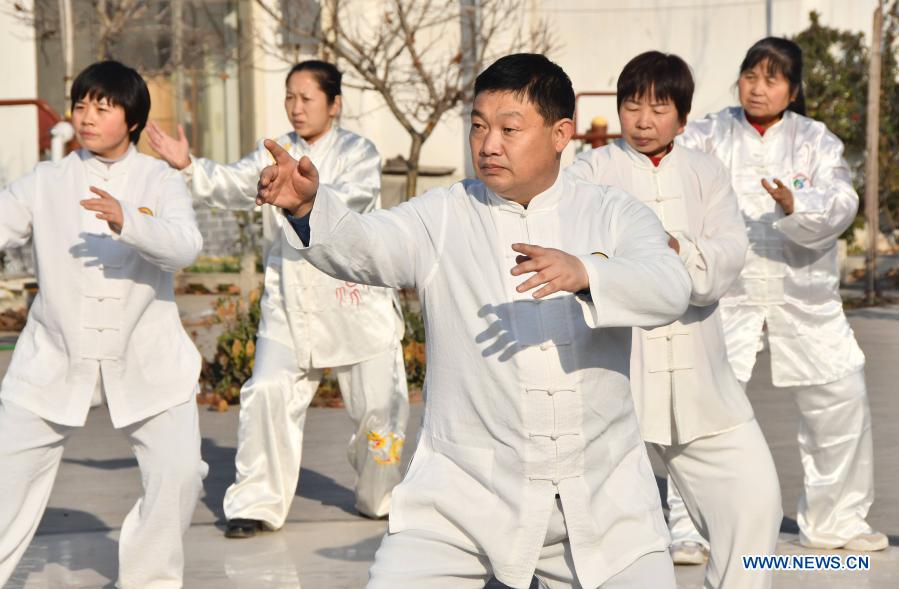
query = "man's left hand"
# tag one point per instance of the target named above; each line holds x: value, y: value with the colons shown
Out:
x: 554, y: 270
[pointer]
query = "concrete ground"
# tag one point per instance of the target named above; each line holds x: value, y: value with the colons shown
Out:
x: 325, y: 544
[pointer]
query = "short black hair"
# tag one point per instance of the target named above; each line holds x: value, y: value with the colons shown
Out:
x: 121, y: 86
x: 534, y: 77
x: 781, y: 56
x: 326, y: 74
x: 663, y: 76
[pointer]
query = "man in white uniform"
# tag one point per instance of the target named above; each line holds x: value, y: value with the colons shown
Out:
x: 310, y: 321
x: 530, y: 458
x: 109, y: 227
x: 689, y: 403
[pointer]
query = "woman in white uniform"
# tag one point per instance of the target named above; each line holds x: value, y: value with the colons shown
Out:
x: 309, y: 321
x: 796, y: 195
x: 690, y: 404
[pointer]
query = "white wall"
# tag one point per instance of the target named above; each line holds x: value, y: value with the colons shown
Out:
x: 596, y: 38
x: 18, y: 62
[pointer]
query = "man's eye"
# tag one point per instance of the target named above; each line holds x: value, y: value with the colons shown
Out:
x: 509, y: 130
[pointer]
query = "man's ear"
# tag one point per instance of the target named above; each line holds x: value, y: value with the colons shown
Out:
x: 563, y: 131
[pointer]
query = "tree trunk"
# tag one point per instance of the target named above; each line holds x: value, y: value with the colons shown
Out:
x: 178, y: 60
x: 872, y: 187
x: 68, y: 47
x: 412, y: 166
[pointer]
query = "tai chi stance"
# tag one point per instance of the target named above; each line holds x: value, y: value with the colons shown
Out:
x: 796, y: 196
x: 689, y: 403
x: 530, y: 458
x: 310, y: 321
x: 109, y: 226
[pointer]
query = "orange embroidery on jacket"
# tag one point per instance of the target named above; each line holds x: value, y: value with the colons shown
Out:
x: 385, y: 448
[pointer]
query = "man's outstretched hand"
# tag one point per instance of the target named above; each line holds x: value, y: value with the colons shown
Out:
x: 287, y: 183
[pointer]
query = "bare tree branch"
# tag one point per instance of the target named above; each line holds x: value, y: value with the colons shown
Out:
x: 412, y: 54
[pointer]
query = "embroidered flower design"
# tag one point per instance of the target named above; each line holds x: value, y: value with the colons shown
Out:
x: 385, y: 447
x: 801, y: 181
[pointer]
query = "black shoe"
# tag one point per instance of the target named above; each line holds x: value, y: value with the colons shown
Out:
x: 242, y: 528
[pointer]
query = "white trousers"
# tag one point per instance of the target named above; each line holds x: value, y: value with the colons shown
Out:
x: 167, y: 448
x: 416, y: 559
x: 837, y: 460
x: 273, y: 406
x: 730, y: 488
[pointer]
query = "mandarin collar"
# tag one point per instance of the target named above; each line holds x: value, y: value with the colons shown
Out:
x: 771, y: 131
x: 545, y: 201
x: 323, y: 145
x: 107, y: 168
x: 643, y: 161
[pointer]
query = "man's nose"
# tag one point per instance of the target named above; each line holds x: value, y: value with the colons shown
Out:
x: 492, y: 144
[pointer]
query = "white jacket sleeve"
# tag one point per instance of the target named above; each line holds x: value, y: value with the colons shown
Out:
x: 359, y: 184
x: 585, y: 166
x: 169, y: 239
x: 642, y: 283
x: 826, y: 208
x: 714, y: 260
x: 15, y: 211
x: 227, y: 186
x: 394, y: 248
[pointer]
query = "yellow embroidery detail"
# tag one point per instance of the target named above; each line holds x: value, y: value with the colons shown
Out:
x: 396, y: 449
x: 387, y: 448
x: 376, y: 441
x: 145, y: 211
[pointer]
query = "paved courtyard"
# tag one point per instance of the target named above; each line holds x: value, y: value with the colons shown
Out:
x: 325, y: 544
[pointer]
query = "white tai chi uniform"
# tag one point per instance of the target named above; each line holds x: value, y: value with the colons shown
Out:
x: 105, y: 313
x: 790, y: 284
x: 310, y: 322
x: 526, y: 399
x: 688, y: 401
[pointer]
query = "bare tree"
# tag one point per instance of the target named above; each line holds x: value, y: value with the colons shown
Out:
x: 113, y: 16
x: 156, y: 36
x: 418, y: 55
